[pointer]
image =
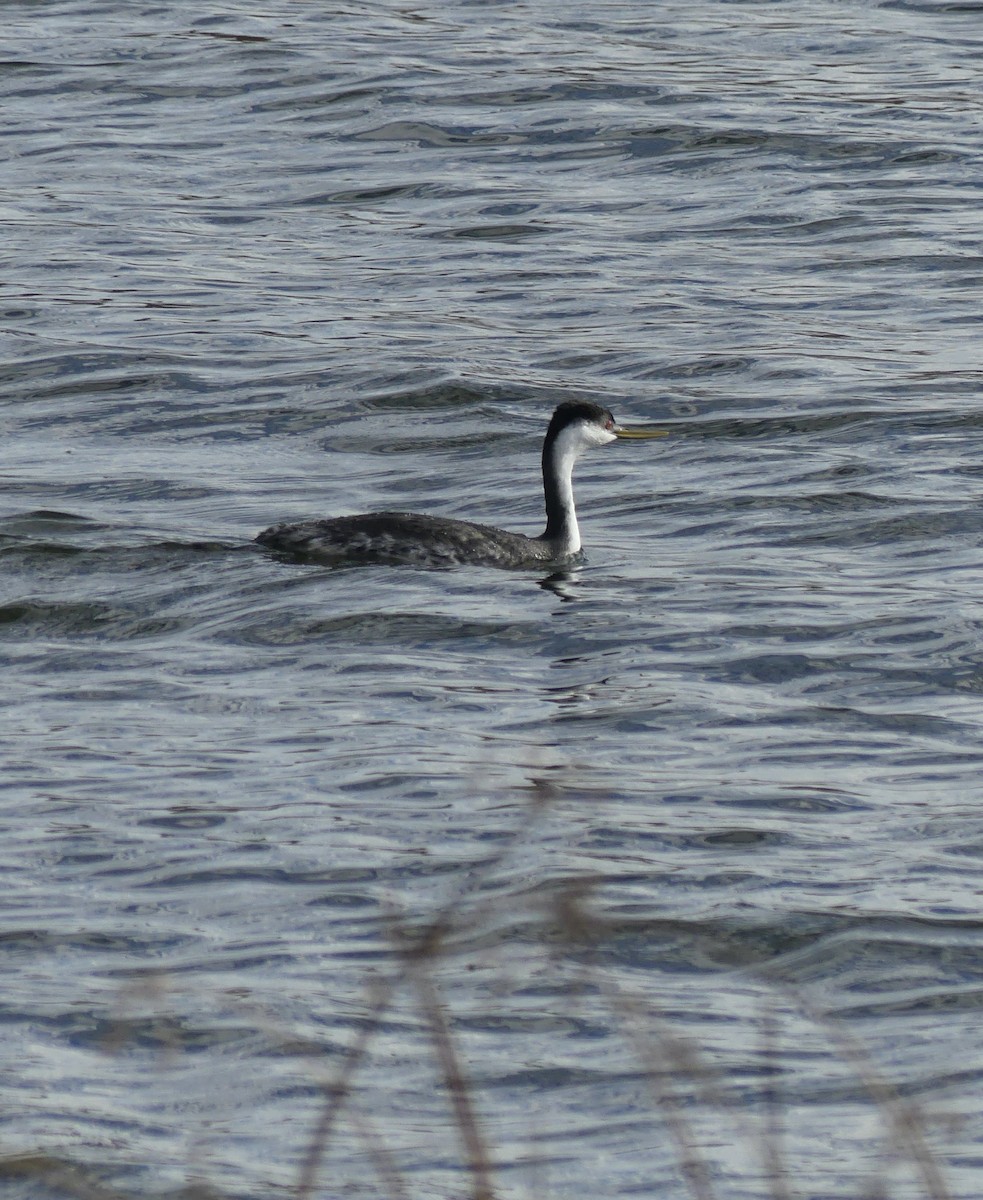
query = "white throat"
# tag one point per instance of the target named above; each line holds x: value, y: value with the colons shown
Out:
x: 562, y: 530
x: 567, y: 448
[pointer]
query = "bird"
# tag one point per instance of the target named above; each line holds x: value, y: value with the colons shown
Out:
x: 420, y: 540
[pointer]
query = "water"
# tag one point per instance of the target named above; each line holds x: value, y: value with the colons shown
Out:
x: 266, y: 265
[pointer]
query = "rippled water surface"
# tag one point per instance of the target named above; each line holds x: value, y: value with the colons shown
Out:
x: 697, y: 827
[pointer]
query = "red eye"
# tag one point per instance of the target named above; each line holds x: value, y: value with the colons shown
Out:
x: 609, y: 424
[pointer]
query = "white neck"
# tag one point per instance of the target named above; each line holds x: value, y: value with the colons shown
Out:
x: 562, y: 530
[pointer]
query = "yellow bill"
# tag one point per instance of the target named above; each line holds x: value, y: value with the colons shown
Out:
x: 640, y: 434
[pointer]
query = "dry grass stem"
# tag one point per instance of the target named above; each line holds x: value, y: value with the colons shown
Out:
x: 458, y: 1088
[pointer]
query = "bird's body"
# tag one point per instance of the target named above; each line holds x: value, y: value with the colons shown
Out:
x: 407, y: 537
x: 443, y: 541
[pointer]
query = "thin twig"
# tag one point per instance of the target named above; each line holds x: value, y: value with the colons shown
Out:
x: 385, y: 1163
x: 336, y: 1093
x: 772, y: 1141
x: 426, y: 943
x: 457, y: 1088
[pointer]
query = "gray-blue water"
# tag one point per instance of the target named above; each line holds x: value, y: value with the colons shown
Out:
x: 261, y: 265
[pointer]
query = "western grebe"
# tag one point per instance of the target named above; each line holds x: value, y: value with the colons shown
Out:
x: 403, y: 537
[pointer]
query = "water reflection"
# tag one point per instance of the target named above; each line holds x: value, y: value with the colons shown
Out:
x: 563, y: 583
